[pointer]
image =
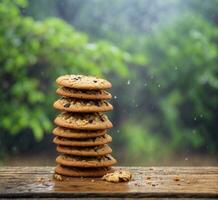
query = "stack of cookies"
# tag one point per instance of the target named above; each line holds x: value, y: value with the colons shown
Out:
x: 81, y: 133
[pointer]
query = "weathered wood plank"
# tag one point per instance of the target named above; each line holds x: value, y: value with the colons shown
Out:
x: 155, y: 182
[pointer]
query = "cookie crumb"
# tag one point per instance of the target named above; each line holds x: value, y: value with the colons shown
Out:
x: 92, y: 180
x: 118, y: 176
x: 58, y: 177
x: 40, y: 179
x: 176, y: 179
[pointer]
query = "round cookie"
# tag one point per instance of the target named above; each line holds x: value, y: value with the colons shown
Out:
x: 84, y: 94
x: 78, y: 172
x: 78, y: 134
x: 85, y: 121
x: 77, y: 161
x: 87, y: 151
x: 83, y: 143
x: 83, y: 82
x: 81, y: 105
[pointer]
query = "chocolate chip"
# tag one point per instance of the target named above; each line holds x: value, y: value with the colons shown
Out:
x: 101, y: 118
x: 95, y: 81
x: 67, y: 105
x: 90, y: 120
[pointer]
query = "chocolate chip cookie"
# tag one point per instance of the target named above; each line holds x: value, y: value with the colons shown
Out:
x: 84, y: 94
x: 81, y: 161
x: 83, y: 82
x: 77, y: 134
x: 81, y: 105
x: 83, y: 142
x: 85, y: 151
x: 90, y: 121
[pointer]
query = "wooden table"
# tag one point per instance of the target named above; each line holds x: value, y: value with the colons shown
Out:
x: 150, y: 182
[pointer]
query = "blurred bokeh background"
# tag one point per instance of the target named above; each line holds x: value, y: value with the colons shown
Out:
x: 161, y: 56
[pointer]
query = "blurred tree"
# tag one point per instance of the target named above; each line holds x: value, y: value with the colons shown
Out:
x: 33, y: 54
x: 182, y: 60
x: 111, y: 20
x: 169, y: 99
x: 208, y: 9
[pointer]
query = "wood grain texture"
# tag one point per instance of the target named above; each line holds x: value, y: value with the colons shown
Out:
x: 155, y: 182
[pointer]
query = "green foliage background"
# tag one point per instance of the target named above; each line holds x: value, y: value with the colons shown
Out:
x: 162, y: 56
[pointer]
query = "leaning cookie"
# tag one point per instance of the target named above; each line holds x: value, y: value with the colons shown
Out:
x: 81, y: 105
x: 77, y: 134
x: 84, y: 94
x: 83, y: 82
x: 77, y: 161
x: 83, y: 143
x: 80, y: 172
x: 85, y: 121
x: 87, y: 151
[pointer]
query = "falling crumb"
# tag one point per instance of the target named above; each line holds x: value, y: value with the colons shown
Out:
x: 151, y: 168
x: 178, y: 184
x: 153, y: 184
x: 148, y: 177
x: 176, y: 179
x: 58, y: 177
x: 92, y: 180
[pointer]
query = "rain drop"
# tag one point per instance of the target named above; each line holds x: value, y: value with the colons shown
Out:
x: 145, y: 84
x: 159, y: 85
x: 176, y: 68
x: 128, y: 82
x: 201, y: 115
x: 186, y: 159
x: 115, y: 97
x: 195, y: 118
x: 118, y: 130
x: 14, y: 149
x: 194, y: 131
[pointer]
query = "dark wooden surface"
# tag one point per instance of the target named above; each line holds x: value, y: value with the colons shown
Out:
x: 150, y: 182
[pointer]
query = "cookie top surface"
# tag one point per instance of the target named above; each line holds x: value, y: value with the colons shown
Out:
x: 84, y: 172
x: 83, y: 82
x: 81, y: 161
x: 83, y: 94
x: 85, y: 151
x: 83, y: 142
x: 85, y: 121
x: 77, y: 134
x: 81, y: 105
